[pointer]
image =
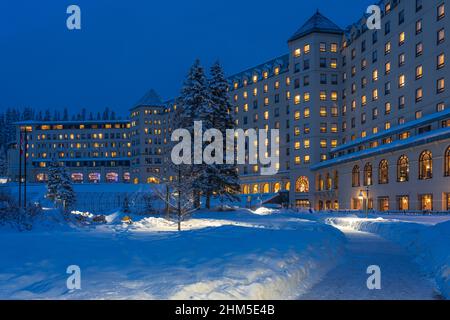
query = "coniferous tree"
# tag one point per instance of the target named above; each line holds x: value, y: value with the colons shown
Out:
x: 47, y: 116
x: 195, y: 106
x: 66, y: 115
x: 223, y: 178
x: 59, y: 186
x: 54, y: 179
x: 3, y: 164
x: 65, y: 193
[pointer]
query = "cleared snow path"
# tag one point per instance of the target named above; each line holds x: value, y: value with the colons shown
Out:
x: 400, y: 276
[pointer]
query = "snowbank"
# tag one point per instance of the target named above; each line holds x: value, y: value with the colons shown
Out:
x: 220, y: 255
x: 429, y: 243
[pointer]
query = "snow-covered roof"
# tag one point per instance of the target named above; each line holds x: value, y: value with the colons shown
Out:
x: 36, y: 122
x: 318, y: 23
x: 397, y: 129
x: 79, y: 159
x: 282, y: 62
x: 424, y: 138
x: 150, y: 99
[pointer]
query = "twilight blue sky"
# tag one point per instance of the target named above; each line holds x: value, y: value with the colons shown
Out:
x: 127, y: 47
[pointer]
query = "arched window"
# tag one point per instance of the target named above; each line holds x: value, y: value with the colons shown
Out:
x: 368, y: 174
x: 265, y: 188
x: 383, y: 172
x: 447, y: 162
x: 287, y: 186
x: 245, y: 189
x: 276, y: 187
x: 336, y: 180
x: 355, y: 176
x: 403, y: 169
x: 255, y: 188
x: 329, y: 181
x: 302, y: 185
x: 425, y: 165
x: 320, y: 183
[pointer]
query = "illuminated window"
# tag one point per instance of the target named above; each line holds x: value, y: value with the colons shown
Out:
x: 401, y: 38
x: 425, y: 165
x: 302, y: 185
x: 368, y: 175
x: 441, y: 61
x: 297, y: 52
x: 333, y: 63
x: 383, y: 172
x: 401, y: 81
x: 440, y: 85
x: 276, y: 71
x: 375, y: 75
x: 307, y: 48
x: 426, y: 202
x: 306, y: 113
x: 306, y: 143
x: 403, y: 169
x: 297, y: 99
x: 334, y: 47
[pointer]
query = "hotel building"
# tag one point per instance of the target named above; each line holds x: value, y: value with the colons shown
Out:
x: 363, y: 117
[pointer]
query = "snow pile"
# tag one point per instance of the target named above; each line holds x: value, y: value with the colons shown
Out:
x: 240, y: 256
x: 429, y: 243
x: 264, y: 211
x: 153, y: 224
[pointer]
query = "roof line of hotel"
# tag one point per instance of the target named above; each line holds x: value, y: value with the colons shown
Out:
x: 397, y: 129
x: 30, y: 122
x: 425, y: 138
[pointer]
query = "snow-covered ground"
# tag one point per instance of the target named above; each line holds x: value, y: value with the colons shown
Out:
x: 234, y: 254
x: 219, y: 255
x: 427, y: 240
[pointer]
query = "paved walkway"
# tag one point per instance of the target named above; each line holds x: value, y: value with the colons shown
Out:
x: 400, y: 276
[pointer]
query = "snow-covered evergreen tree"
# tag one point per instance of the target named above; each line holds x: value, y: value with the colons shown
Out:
x: 195, y: 106
x: 223, y: 178
x: 65, y: 193
x: 54, y: 179
x: 3, y: 164
x: 59, y: 186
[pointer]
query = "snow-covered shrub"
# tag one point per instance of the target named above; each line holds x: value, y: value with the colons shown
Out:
x: 14, y: 216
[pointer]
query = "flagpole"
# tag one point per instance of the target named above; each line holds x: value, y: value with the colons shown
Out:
x: 25, y: 170
x: 20, y: 168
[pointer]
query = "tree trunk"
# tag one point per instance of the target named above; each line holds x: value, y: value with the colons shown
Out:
x: 208, y: 200
x: 167, y: 200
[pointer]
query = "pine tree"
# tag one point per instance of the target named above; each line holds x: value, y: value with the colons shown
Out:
x: 65, y: 193
x: 223, y: 178
x: 59, y: 186
x: 66, y: 115
x: 54, y: 180
x: 3, y: 164
x: 195, y: 106
x: 47, y: 116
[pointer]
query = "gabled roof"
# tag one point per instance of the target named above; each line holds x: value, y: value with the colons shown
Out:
x: 317, y: 23
x: 151, y: 99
